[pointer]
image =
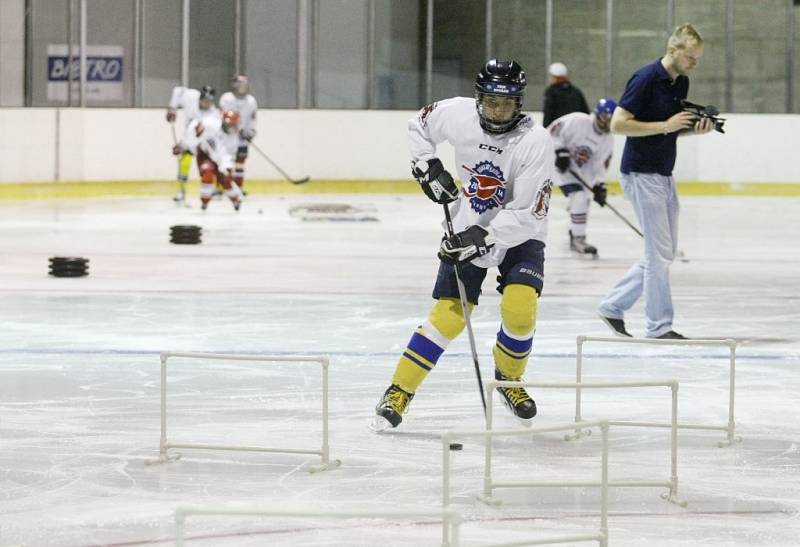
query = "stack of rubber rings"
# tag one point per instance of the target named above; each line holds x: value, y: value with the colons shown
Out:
x: 68, y: 266
x: 185, y: 234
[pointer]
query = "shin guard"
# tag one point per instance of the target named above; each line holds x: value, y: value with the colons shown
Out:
x: 445, y: 322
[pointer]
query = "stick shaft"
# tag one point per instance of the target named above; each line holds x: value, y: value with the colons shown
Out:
x: 276, y: 166
x: 462, y: 295
x: 625, y: 220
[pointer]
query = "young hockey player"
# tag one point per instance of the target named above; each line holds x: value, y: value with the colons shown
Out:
x: 213, y: 140
x: 194, y: 103
x: 583, y: 144
x: 239, y: 100
x: 499, y: 218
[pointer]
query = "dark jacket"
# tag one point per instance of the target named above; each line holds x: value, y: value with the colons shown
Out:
x: 562, y: 98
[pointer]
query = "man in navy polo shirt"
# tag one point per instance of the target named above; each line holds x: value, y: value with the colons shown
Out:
x: 649, y: 114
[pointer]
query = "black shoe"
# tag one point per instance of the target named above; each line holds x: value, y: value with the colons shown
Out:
x: 616, y: 325
x: 516, y: 398
x: 671, y: 335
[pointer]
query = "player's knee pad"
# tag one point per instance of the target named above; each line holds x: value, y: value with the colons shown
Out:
x: 206, y: 189
x: 447, y: 317
x: 515, y: 337
x: 518, y: 310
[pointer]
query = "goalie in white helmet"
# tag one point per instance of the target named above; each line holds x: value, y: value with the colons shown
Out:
x: 499, y: 219
x: 584, y: 146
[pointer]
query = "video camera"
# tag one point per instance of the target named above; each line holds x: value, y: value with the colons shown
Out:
x: 710, y: 112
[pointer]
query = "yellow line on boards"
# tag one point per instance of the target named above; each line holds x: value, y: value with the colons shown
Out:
x: 77, y: 189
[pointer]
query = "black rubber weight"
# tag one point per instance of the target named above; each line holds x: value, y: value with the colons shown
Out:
x: 185, y: 228
x: 456, y: 446
x: 68, y: 266
x: 68, y: 260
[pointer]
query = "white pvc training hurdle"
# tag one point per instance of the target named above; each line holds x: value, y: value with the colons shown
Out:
x: 730, y: 428
x: 601, y: 536
x: 165, y: 445
x: 451, y: 519
x: 671, y: 483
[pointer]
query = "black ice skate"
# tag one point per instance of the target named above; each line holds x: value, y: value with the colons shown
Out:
x: 579, y: 245
x: 516, y: 398
x: 390, y: 409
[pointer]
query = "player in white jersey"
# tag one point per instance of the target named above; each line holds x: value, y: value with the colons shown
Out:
x: 240, y: 101
x: 194, y: 103
x: 500, y: 218
x: 213, y: 139
x: 584, y: 146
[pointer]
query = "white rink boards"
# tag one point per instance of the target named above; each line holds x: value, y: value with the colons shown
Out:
x: 79, y: 377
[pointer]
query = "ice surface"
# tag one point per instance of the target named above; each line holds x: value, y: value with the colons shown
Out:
x: 79, y: 377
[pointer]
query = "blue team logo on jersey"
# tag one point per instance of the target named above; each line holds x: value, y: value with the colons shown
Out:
x: 582, y: 155
x: 486, y: 187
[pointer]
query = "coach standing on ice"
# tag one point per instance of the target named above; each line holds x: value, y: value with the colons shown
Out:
x: 650, y: 115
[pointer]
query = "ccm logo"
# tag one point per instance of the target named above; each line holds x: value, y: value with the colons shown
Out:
x: 490, y: 148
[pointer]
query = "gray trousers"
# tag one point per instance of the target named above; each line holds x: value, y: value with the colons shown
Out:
x: 655, y: 200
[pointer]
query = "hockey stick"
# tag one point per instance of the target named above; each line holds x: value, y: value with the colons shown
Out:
x: 680, y: 254
x: 181, y: 184
x: 625, y: 220
x: 278, y: 169
x: 462, y: 295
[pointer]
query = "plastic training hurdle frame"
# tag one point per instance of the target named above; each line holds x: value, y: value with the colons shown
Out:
x: 671, y: 483
x: 601, y: 536
x: 165, y: 445
x: 729, y: 429
x: 451, y: 519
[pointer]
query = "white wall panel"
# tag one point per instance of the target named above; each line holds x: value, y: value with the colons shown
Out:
x: 134, y: 144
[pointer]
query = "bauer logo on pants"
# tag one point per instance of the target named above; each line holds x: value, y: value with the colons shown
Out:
x: 486, y: 187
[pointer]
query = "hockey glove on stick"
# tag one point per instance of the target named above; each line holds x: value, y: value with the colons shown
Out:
x: 562, y: 160
x: 462, y: 247
x: 600, y: 191
x: 435, y: 181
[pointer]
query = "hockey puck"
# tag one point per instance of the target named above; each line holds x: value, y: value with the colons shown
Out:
x: 456, y: 446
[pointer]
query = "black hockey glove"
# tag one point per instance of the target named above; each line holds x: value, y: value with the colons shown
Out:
x: 562, y: 160
x: 437, y: 183
x: 600, y: 192
x: 462, y: 247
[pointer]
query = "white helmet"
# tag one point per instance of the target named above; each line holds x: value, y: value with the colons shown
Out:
x: 559, y: 70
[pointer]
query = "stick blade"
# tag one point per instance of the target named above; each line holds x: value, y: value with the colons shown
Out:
x: 300, y: 181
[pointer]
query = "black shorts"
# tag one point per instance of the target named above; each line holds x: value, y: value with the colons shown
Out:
x: 523, y: 264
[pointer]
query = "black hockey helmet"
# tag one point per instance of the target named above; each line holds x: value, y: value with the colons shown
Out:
x: 208, y: 95
x: 499, y: 90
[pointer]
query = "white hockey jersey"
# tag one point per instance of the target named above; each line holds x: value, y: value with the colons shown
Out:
x: 590, y: 150
x: 188, y: 100
x: 247, y: 107
x: 206, y: 134
x: 506, y: 179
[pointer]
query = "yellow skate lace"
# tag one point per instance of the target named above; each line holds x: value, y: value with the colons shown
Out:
x: 398, y: 400
x: 516, y: 395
